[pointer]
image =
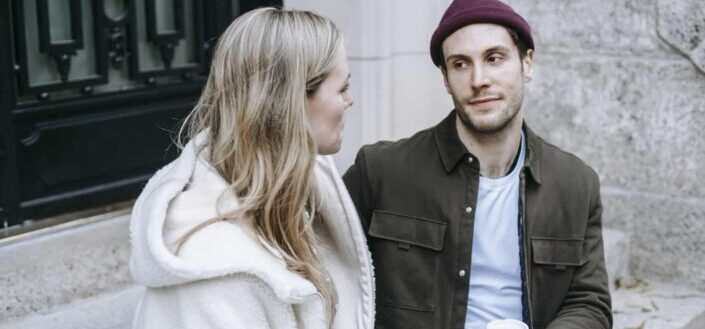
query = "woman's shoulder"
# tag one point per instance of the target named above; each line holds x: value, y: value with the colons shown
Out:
x: 235, y: 246
x: 224, y: 240
x: 237, y: 300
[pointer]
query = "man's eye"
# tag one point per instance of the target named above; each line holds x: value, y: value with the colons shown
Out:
x: 494, y: 59
x: 459, y: 65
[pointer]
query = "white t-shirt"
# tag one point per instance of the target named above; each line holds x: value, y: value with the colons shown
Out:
x: 495, y: 272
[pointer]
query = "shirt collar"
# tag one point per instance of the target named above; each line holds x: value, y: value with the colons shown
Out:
x: 452, y: 151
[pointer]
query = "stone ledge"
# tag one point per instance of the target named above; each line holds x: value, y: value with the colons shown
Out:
x: 108, y: 311
x: 43, y: 272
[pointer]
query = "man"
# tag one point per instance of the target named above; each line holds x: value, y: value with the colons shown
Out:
x: 477, y: 218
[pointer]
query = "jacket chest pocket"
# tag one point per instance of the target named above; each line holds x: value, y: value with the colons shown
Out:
x: 554, y: 262
x: 558, y: 252
x: 406, y: 253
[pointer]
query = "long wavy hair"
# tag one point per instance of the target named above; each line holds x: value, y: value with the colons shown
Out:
x: 253, y: 108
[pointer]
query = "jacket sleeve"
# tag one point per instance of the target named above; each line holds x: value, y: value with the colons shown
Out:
x: 587, y: 304
x: 236, y: 301
x: 357, y: 181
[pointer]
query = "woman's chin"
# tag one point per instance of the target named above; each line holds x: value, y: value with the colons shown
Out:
x: 330, y: 149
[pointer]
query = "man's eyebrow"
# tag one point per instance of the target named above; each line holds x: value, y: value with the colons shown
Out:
x: 501, y: 49
x: 457, y: 56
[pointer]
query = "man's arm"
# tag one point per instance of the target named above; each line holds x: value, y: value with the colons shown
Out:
x: 357, y: 182
x: 587, y: 304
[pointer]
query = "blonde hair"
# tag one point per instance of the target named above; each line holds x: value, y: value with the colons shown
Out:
x: 258, y: 138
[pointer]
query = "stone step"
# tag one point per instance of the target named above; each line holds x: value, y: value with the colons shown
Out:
x: 643, y: 304
x: 616, y: 255
x: 697, y: 323
x: 637, y: 303
x: 47, y: 269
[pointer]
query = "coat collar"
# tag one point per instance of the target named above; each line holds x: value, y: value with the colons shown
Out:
x: 153, y: 265
x: 452, y: 151
x: 229, y: 247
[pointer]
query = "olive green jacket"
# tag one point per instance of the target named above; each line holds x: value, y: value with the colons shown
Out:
x: 416, y: 199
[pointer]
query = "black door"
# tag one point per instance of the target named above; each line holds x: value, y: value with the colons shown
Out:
x: 92, y: 92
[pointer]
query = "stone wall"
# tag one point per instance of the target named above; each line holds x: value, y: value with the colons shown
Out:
x: 622, y: 85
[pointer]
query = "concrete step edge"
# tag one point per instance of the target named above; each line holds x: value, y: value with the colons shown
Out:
x: 112, y: 310
x: 617, y: 248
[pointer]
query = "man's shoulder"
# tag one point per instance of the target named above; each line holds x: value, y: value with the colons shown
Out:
x: 559, y: 164
x: 417, y: 145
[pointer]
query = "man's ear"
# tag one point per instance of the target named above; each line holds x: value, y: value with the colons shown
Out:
x: 527, y: 65
x: 445, y: 77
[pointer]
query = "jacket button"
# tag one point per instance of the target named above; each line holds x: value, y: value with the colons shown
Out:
x: 461, y: 273
x: 468, y: 210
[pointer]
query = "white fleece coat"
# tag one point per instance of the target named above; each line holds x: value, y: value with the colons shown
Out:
x: 223, y: 275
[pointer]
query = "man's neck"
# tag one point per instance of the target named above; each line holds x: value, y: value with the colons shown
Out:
x: 496, y: 151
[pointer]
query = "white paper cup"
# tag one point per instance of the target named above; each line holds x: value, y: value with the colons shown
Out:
x: 507, y: 324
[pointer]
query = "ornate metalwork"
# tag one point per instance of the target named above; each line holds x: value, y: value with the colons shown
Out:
x: 113, y: 30
x: 166, y: 41
x: 116, y: 47
x: 62, y: 50
x: 115, y: 43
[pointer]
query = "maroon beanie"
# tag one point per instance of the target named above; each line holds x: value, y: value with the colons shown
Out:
x: 465, y: 12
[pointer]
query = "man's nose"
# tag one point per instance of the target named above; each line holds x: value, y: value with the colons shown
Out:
x: 479, y: 78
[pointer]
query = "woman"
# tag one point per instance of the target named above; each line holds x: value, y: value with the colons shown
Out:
x: 249, y: 228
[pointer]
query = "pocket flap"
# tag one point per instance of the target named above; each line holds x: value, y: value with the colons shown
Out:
x: 416, y: 231
x: 557, y: 251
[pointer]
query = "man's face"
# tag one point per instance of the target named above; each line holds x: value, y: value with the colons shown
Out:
x: 485, y: 76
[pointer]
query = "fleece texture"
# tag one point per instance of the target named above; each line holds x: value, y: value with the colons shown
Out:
x: 223, y: 275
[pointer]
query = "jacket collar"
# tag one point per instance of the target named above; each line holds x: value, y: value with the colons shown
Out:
x: 532, y: 163
x: 452, y: 150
